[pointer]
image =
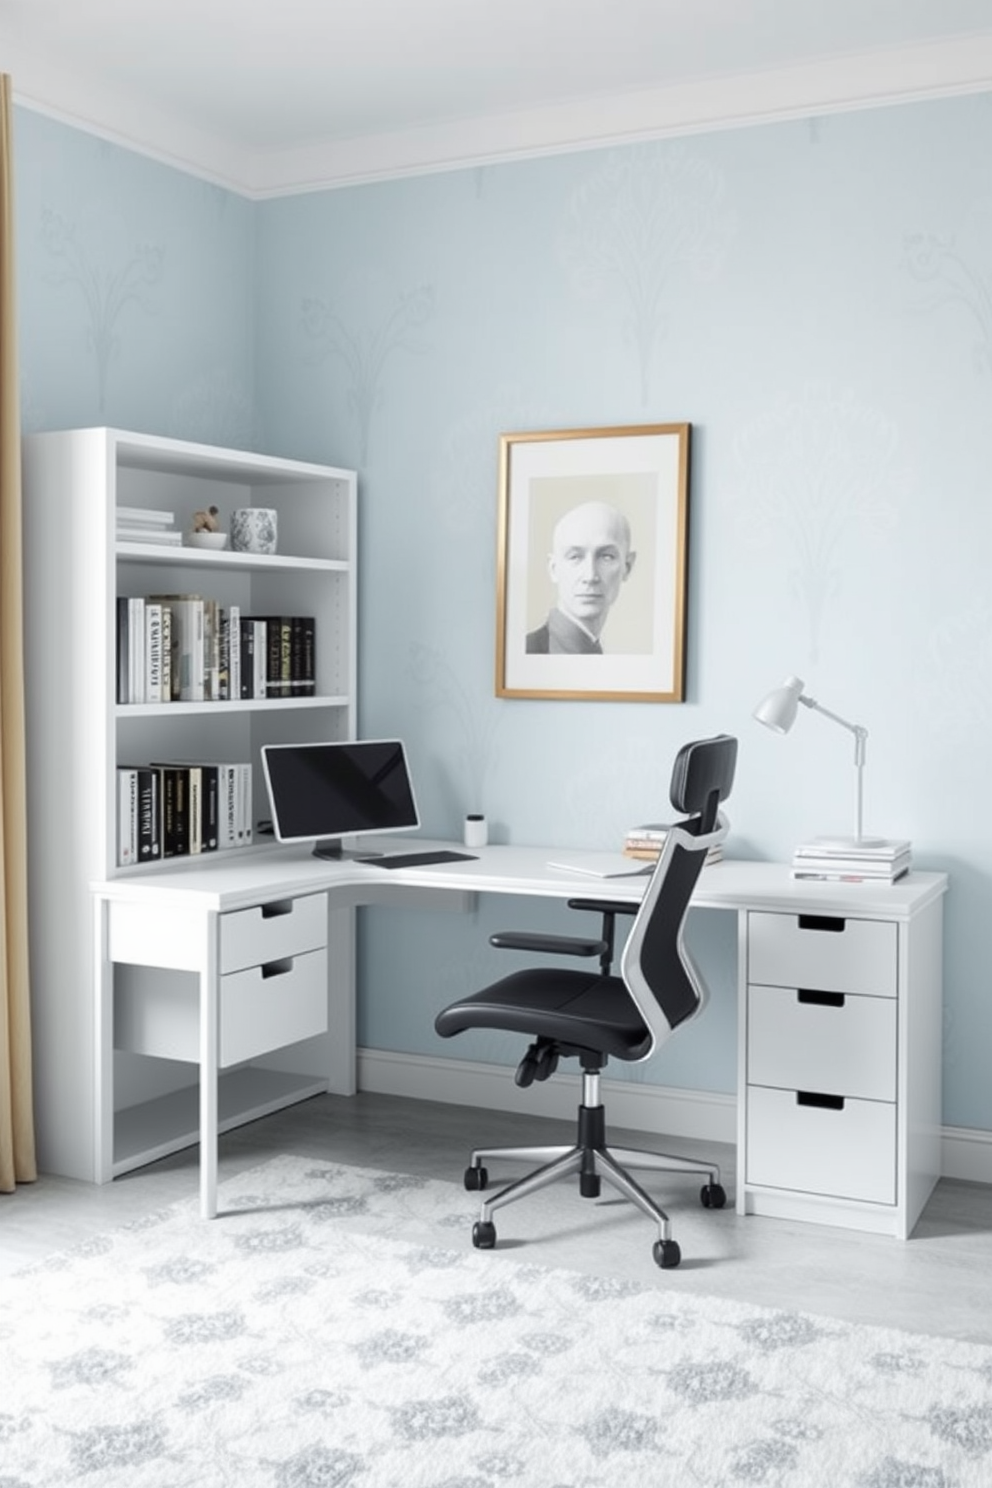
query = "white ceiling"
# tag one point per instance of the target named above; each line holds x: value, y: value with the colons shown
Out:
x: 272, y: 96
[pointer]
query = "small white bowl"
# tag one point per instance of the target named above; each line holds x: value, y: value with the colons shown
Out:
x: 206, y: 539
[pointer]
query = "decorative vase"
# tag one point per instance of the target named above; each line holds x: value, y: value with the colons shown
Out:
x: 253, y: 529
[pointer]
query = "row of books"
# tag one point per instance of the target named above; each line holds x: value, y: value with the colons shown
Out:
x: 182, y: 648
x: 138, y: 524
x: 172, y: 810
x: 870, y: 861
x: 646, y: 842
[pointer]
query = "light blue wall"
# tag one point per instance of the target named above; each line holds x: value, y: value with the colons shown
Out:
x: 136, y: 291
x: 815, y: 297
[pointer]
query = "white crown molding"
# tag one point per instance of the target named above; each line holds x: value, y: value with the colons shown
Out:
x: 907, y: 74
x: 873, y: 79
x: 126, y: 121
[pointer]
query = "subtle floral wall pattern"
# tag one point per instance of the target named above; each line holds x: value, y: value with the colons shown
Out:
x: 819, y: 474
x: 365, y: 351
x: 108, y: 281
x: 641, y: 228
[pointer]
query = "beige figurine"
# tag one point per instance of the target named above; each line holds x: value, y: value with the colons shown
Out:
x: 206, y: 521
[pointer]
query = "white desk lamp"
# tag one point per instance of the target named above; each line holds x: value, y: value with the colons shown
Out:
x: 778, y: 712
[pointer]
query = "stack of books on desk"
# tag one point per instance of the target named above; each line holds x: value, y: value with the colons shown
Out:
x: 647, y: 841
x: 873, y: 861
x: 138, y: 524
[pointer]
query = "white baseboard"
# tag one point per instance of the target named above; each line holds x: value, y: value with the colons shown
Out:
x: 645, y: 1108
x: 966, y: 1154
x: 653, y: 1109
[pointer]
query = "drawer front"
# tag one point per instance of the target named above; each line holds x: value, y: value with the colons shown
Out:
x: 268, y: 932
x: 265, y: 1007
x: 825, y: 952
x: 847, y: 1154
x: 831, y: 1041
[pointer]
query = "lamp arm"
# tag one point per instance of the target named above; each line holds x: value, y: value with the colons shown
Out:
x: 860, y: 735
x: 858, y: 730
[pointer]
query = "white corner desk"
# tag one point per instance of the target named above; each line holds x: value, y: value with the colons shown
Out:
x: 839, y: 1013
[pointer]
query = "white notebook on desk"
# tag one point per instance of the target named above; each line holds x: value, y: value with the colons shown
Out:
x: 602, y: 865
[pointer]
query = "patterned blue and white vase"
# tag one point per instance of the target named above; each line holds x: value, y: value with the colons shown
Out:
x: 253, y: 529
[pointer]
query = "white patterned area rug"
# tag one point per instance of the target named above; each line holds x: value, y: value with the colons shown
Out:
x: 300, y: 1341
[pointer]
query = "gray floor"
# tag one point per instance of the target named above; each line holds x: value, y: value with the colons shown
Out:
x: 940, y: 1281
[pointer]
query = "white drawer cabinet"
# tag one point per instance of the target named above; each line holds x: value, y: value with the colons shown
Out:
x: 273, y: 984
x: 272, y: 988
x: 840, y: 1118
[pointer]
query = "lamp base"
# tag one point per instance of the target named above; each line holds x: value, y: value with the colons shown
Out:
x: 868, y: 851
x: 853, y: 844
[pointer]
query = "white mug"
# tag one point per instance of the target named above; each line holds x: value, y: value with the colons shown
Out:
x: 476, y: 832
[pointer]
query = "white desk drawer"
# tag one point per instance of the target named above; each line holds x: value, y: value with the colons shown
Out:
x: 825, y: 952
x: 826, y: 1041
x: 848, y: 1153
x: 266, y: 1007
x: 268, y: 932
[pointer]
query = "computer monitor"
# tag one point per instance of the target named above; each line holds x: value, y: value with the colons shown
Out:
x: 324, y: 792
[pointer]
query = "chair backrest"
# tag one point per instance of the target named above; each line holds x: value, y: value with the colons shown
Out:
x: 658, y: 971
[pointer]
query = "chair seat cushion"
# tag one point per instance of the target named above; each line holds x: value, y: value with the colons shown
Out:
x: 573, y: 1007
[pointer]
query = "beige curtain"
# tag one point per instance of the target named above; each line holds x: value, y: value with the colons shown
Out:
x: 17, y: 1159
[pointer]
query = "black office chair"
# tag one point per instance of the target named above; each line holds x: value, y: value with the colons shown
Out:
x: 591, y: 1016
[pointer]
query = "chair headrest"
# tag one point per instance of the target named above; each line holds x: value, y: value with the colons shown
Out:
x: 702, y: 777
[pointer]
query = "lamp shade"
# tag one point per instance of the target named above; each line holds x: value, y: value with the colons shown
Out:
x: 778, y: 710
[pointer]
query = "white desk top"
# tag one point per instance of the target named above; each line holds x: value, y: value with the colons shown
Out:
x: 238, y: 880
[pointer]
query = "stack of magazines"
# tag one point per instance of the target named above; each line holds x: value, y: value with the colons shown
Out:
x: 873, y: 860
x: 647, y: 841
x: 139, y: 524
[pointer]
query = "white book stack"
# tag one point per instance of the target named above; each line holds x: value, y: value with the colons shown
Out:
x: 141, y: 525
x: 873, y: 860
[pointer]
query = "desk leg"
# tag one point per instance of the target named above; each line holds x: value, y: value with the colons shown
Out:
x: 341, y: 1056
x: 103, y: 1051
x: 742, y: 1017
x: 209, y: 1055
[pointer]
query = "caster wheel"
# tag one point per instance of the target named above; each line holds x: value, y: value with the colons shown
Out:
x: 712, y: 1196
x: 475, y: 1178
x: 526, y: 1072
x: 484, y: 1235
x: 666, y: 1254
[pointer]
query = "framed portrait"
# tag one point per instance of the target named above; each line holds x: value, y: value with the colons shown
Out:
x: 591, y: 564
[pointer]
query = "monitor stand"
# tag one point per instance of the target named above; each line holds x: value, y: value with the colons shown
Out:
x: 333, y: 852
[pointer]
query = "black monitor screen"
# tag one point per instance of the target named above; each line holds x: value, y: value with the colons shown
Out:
x: 330, y: 791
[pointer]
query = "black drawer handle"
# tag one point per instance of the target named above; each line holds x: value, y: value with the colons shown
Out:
x: 820, y: 999
x: 279, y: 907
x: 822, y: 922
x: 277, y: 968
x: 822, y: 1102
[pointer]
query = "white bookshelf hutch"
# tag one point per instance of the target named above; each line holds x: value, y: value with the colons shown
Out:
x: 78, y: 734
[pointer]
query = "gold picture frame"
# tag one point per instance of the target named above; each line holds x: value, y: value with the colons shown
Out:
x: 591, y: 564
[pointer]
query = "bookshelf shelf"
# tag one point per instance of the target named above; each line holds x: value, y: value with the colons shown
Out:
x: 200, y: 558
x: 159, y: 1127
x: 132, y: 711
x: 79, y: 734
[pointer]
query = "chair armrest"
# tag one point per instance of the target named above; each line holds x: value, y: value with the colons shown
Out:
x: 605, y: 906
x: 557, y: 945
